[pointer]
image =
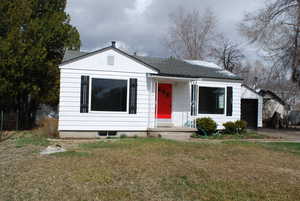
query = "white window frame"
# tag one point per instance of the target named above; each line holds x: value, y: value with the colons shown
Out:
x: 225, y: 100
x: 108, y: 112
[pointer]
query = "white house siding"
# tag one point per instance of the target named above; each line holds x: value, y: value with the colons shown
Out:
x: 248, y: 94
x: 151, y: 84
x: 181, y: 104
x: 181, y: 116
x: 180, y: 101
x: 98, y: 62
x: 95, y: 66
x: 236, y: 101
x: 70, y: 118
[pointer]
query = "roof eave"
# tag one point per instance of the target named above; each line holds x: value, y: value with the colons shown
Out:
x: 105, y: 49
x: 193, y: 77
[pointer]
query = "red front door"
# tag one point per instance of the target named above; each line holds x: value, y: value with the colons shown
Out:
x: 164, y: 104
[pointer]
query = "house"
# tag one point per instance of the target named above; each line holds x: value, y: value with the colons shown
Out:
x: 251, y: 107
x: 109, y: 91
x: 294, y: 117
x: 275, y: 110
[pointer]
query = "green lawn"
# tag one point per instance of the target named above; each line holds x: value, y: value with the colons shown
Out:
x: 150, y: 169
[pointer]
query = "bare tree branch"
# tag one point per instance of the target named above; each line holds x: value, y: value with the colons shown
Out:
x: 190, y: 34
x: 227, y: 54
x: 275, y: 28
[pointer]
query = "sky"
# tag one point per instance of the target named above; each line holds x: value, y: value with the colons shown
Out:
x: 141, y: 25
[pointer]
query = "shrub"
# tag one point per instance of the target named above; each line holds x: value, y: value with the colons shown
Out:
x: 123, y: 136
x: 207, y: 124
x: 195, y: 135
x: 48, y: 127
x: 230, y: 128
x: 241, y: 126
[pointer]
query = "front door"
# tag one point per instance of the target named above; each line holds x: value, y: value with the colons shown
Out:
x: 164, y: 105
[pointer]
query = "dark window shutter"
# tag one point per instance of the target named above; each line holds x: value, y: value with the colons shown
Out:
x: 133, y: 96
x: 194, y: 100
x: 84, y: 94
x: 229, y: 101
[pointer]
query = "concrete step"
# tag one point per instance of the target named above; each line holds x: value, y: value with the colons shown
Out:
x: 181, y: 136
x: 165, y: 124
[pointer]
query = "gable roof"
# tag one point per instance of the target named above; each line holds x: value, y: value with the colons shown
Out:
x: 72, y: 56
x: 164, y: 66
x: 251, y: 89
x: 272, y: 95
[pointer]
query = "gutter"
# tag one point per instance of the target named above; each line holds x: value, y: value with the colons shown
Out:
x: 194, y: 78
x: 174, y: 78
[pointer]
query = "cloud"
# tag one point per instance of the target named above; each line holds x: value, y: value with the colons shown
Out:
x: 141, y: 25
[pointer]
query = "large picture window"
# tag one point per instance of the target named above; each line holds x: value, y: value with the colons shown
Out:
x: 109, y: 95
x: 211, y: 100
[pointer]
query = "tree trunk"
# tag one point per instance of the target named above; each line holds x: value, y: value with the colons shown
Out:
x: 296, y: 59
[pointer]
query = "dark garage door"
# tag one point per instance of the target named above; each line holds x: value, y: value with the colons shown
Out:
x: 249, y: 112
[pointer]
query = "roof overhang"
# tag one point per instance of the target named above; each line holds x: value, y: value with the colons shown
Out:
x: 109, y: 48
x: 173, y: 77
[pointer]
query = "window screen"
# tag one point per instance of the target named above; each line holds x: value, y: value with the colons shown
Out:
x: 211, y: 100
x: 109, y: 95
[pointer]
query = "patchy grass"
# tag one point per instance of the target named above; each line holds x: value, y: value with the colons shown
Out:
x: 24, y: 139
x: 121, y: 143
x: 151, y: 170
x: 236, y: 136
x: 72, y: 154
x: 283, y: 146
x: 106, y: 144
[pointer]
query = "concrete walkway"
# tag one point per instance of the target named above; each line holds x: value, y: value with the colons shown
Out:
x: 285, y: 134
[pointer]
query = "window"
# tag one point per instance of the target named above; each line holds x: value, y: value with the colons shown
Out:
x: 109, y: 95
x: 211, y: 100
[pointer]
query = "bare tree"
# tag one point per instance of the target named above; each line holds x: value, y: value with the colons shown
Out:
x: 276, y: 29
x: 190, y: 34
x: 228, y: 55
x: 253, y: 73
x: 258, y: 75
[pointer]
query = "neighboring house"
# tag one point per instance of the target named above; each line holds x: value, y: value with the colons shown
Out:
x: 275, y: 110
x: 251, y: 107
x: 294, y: 115
x: 110, y: 91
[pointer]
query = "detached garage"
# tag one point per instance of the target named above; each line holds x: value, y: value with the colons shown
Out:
x: 251, y: 107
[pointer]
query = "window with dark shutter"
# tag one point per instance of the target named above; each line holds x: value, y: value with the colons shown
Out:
x: 133, y: 96
x: 84, y: 94
x: 229, y: 101
x: 211, y: 100
x: 109, y: 95
x: 193, y: 100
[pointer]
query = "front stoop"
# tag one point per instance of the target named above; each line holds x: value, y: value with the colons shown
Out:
x: 173, y: 133
x: 180, y: 136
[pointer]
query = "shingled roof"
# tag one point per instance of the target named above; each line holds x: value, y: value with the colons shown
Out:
x: 166, y: 66
x: 70, y: 54
x: 180, y: 68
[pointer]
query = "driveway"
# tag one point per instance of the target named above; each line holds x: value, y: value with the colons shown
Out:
x: 287, y: 134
